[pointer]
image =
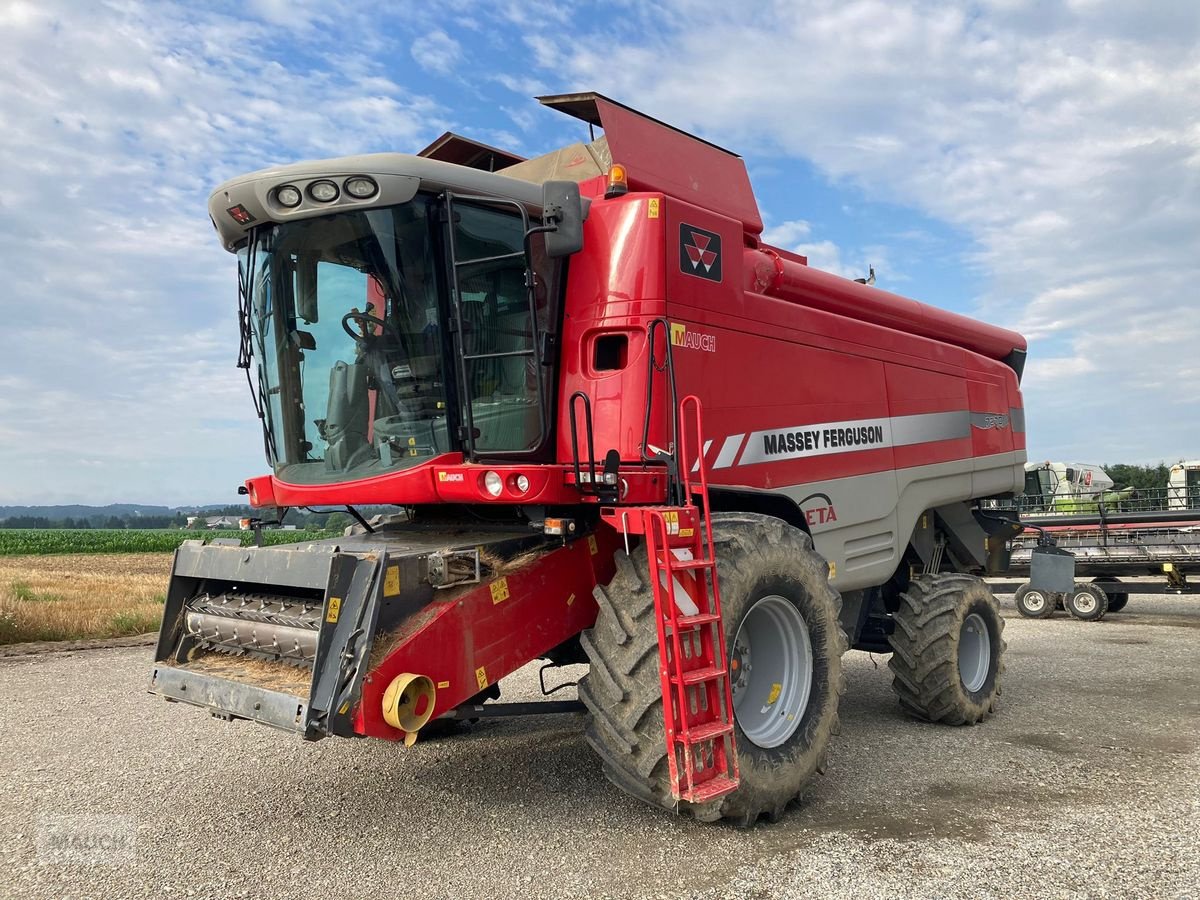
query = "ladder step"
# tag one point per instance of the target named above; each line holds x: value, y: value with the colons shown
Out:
x: 696, y: 676
x: 715, y: 787
x: 705, y: 732
x: 698, y: 619
x: 682, y: 565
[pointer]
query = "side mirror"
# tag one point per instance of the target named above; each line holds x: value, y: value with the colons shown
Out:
x: 306, y: 288
x: 562, y: 211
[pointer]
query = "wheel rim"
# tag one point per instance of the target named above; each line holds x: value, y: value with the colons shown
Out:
x: 974, y: 652
x: 771, y: 671
x: 1035, y: 601
x: 1085, y: 602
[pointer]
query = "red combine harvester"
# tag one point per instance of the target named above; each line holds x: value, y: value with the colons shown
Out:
x: 618, y: 429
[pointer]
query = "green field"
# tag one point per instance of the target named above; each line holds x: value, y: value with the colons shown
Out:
x: 41, y: 541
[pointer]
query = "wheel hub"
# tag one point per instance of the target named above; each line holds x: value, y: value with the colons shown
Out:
x: 1085, y: 602
x: 1035, y: 601
x: 974, y: 652
x: 771, y: 671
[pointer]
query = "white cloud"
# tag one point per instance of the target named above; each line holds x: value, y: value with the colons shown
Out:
x: 1063, y: 139
x: 437, y: 52
x: 118, y: 330
x: 786, y: 233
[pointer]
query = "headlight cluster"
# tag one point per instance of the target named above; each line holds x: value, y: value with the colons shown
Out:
x: 360, y: 187
x: 493, y: 483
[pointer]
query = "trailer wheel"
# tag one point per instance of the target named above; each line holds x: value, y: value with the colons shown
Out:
x: 1117, y: 598
x: 1087, y: 603
x: 948, y: 649
x: 1033, y: 603
x: 780, y: 614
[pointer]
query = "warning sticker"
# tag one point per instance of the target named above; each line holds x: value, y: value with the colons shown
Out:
x: 391, y: 581
x: 499, y: 590
x: 335, y: 607
x: 481, y: 677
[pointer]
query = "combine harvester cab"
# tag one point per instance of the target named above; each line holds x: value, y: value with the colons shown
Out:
x: 623, y: 431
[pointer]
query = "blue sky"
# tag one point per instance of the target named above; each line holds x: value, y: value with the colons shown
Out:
x: 1034, y: 163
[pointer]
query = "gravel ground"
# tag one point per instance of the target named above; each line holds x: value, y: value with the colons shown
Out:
x: 1085, y: 783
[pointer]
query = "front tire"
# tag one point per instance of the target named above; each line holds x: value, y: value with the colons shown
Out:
x: 948, y: 649
x: 1033, y: 603
x: 785, y: 644
x: 1088, y: 603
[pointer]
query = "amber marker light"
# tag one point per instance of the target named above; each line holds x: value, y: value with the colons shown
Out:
x: 618, y: 181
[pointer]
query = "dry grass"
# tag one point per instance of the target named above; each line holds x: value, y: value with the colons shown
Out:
x: 73, y: 597
x: 273, y: 676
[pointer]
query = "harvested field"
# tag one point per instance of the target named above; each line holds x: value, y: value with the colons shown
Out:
x: 78, y: 596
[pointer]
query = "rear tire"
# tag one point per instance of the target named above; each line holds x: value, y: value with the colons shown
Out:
x: 1033, y: 603
x: 1117, y: 598
x: 948, y: 649
x: 766, y: 568
x: 1087, y: 603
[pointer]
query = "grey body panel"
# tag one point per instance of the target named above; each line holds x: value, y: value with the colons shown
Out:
x: 398, y: 175
x: 876, y: 513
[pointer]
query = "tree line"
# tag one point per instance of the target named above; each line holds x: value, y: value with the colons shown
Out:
x: 1143, y: 478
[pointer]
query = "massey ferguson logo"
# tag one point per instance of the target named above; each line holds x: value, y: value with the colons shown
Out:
x: 699, y: 252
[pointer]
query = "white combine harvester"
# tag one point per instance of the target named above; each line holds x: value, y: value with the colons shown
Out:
x: 1055, y: 487
x: 1116, y: 536
x: 1183, y: 486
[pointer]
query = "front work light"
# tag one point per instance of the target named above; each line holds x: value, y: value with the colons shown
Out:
x: 361, y: 187
x: 288, y: 196
x: 323, y: 191
x: 493, y: 483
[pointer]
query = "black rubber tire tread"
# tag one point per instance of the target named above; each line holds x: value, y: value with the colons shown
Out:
x: 1117, y: 598
x: 1048, y: 606
x: 623, y: 693
x: 924, y: 659
x: 1101, y: 603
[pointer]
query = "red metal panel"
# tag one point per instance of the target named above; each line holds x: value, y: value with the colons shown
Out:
x: 766, y: 273
x: 660, y: 157
x: 991, y: 430
x: 468, y: 640
x: 688, y: 280
x: 617, y: 286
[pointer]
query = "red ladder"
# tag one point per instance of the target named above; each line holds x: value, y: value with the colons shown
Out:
x: 697, y: 700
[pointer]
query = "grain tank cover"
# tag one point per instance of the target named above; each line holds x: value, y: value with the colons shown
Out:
x: 463, y: 151
x: 660, y: 157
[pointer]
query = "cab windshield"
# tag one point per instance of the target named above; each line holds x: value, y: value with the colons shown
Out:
x: 346, y: 320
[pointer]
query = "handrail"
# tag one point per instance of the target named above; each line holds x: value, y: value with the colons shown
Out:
x: 591, y: 449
